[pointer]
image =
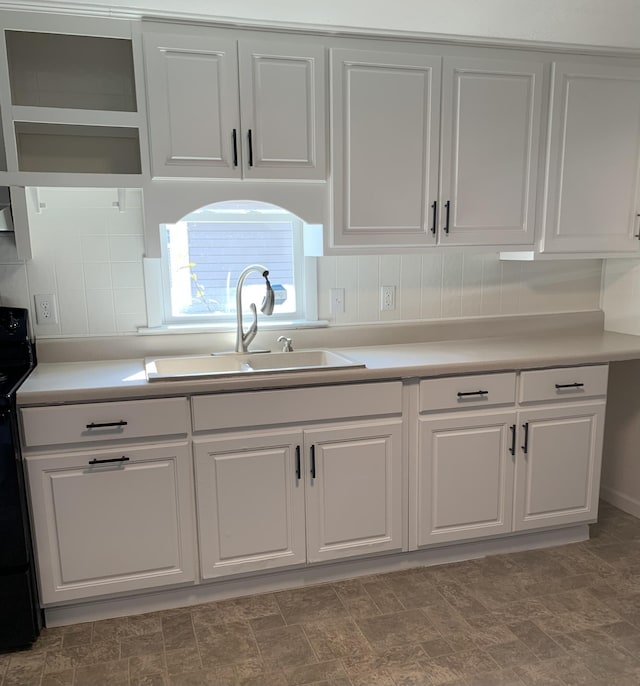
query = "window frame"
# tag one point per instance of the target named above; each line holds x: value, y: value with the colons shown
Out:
x: 304, y: 267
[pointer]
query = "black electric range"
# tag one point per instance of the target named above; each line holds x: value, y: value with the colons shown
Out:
x: 20, y: 616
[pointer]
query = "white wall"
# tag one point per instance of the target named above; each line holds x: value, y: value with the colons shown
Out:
x: 89, y: 254
x: 592, y: 22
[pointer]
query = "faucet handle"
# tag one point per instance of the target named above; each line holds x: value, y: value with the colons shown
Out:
x: 286, y: 344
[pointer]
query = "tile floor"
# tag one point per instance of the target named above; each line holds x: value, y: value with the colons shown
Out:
x: 567, y: 616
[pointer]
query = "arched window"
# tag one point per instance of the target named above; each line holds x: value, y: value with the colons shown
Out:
x: 205, y: 252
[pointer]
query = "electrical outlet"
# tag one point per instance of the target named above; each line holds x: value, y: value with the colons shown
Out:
x: 336, y: 296
x: 387, y: 298
x: 46, y: 310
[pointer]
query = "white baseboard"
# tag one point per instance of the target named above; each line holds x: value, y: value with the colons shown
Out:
x: 303, y: 576
x: 622, y: 500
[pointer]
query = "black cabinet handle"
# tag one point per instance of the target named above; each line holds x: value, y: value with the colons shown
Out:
x: 447, y: 208
x: 313, y: 462
x: 115, y: 459
x: 512, y: 449
x: 234, y: 137
x: 250, y: 137
x: 525, y: 447
x: 468, y: 393
x: 298, y: 472
x: 103, y: 425
x: 434, y: 207
x: 560, y: 386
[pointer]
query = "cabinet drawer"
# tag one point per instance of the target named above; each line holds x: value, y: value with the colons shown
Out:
x: 459, y: 392
x: 289, y: 406
x: 104, y: 421
x: 564, y: 383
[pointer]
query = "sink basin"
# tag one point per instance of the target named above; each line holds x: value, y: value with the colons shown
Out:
x: 232, y: 364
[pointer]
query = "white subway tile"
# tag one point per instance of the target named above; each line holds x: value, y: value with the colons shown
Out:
x: 368, y: 288
x: 491, y: 279
x: 510, y: 288
x: 97, y: 275
x: 95, y: 248
x: 347, y: 278
x: 126, y: 248
x: 471, y: 305
x: 69, y: 276
x: 452, y: 285
x: 72, y: 311
x: 129, y: 301
x: 101, y: 312
x: 127, y: 275
x: 431, y: 285
x: 409, y: 295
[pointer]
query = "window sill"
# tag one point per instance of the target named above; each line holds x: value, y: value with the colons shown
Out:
x: 222, y: 327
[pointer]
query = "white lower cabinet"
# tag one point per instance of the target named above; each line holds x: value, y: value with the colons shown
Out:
x: 535, y: 465
x: 250, y: 502
x: 465, y: 476
x: 108, y: 521
x: 558, y: 468
x: 354, y: 489
x: 268, y: 499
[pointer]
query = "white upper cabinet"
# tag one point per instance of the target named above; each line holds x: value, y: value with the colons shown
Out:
x: 491, y: 114
x: 591, y: 194
x: 221, y: 108
x: 193, y: 105
x: 411, y: 169
x: 282, y: 103
x: 385, y: 123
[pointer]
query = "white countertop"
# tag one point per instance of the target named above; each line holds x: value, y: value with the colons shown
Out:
x: 69, y: 382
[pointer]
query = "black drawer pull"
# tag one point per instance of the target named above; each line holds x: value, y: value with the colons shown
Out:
x: 313, y: 462
x: 250, y: 137
x: 512, y: 449
x: 103, y: 425
x: 525, y: 447
x: 447, y: 207
x: 434, y: 207
x: 560, y: 386
x: 234, y: 138
x: 114, y: 459
x: 468, y: 393
x: 298, y: 472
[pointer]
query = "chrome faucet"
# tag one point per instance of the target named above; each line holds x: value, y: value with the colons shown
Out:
x: 287, y: 346
x: 243, y: 340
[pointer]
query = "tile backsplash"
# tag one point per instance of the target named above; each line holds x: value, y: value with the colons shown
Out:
x: 88, y: 248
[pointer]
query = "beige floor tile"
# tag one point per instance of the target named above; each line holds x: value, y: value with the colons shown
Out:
x: 285, y: 647
x: 567, y: 616
x: 398, y: 629
x: 312, y: 604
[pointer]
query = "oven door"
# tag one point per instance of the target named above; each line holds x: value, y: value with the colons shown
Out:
x: 14, y: 530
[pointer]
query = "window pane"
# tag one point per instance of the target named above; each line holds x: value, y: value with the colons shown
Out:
x: 209, y: 249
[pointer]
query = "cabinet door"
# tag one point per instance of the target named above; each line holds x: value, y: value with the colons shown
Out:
x: 109, y: 521
x: 354, y: 489
x: 385, y: 130
x: 558, y: 466
x: 192, y: 93
x: 282, y: 101
x: 250, y: 502
x: 465, y: 476
x: 594, y: 154
x: 490, y: 135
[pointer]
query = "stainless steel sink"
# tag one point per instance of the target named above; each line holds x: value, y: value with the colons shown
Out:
x: 233, y: 364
